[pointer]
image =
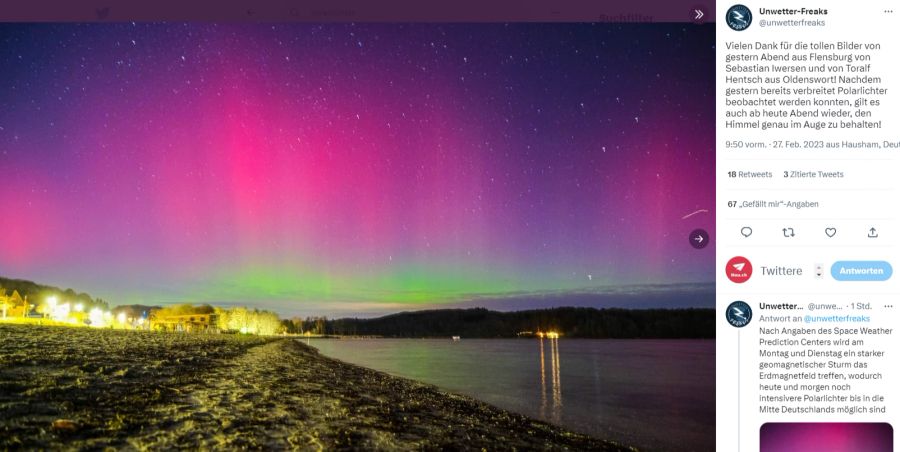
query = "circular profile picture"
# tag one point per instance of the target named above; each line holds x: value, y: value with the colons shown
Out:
x: 738, y: 269
x: 738, y: 314
x: 738, y: 17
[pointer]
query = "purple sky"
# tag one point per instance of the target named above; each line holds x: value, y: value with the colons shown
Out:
x: 358, y: 169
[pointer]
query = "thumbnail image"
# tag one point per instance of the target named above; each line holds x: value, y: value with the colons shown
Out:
x: 826, y: 437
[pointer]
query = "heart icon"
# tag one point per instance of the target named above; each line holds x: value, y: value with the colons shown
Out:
x: 830, y: 232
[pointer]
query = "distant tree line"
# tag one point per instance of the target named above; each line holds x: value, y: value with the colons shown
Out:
x: 311, y: 325
x: 37, y: 294
x: 476, y: 322
x: 570, y: 322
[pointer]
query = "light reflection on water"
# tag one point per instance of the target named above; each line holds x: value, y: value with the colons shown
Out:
x: 657, y: 395
x: 543, y: 384
x: 556, y: 382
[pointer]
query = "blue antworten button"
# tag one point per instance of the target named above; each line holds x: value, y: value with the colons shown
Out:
x: 861, y: 271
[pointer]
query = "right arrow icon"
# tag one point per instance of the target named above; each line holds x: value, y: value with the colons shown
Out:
x: 699, y: 238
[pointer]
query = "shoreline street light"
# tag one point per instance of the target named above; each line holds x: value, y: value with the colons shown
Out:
x: 61, y: 312
x: 51, y: 306
x: 96, y: 317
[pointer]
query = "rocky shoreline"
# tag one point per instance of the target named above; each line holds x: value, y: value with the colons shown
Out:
x: 86, y: 388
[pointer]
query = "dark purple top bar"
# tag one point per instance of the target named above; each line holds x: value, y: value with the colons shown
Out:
x: 359, y: 11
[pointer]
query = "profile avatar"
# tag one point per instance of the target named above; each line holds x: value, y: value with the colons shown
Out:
x: 738, y: 17
x: 738, y: 314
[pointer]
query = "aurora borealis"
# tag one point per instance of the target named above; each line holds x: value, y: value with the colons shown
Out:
x: 356, y: 168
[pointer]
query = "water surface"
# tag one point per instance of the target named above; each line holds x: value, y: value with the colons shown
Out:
x: 653, y: 394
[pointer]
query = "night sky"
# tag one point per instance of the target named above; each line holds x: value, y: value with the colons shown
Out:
x: 358, y: 169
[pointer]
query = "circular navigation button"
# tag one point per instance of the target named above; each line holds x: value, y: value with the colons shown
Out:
x: 699, y: 238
